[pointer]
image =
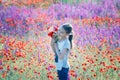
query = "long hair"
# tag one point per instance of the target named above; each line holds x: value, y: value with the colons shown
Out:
x: 70, y: 39
x: 68, y: 29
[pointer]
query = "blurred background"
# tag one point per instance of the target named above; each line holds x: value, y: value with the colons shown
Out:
x: 25, y: 51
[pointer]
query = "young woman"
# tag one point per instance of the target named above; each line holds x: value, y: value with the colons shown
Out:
x: 62, y: 50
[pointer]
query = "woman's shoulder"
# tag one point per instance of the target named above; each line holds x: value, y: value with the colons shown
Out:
x: 68, y: 42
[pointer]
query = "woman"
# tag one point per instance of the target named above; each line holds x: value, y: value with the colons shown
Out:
x: 62, y: 50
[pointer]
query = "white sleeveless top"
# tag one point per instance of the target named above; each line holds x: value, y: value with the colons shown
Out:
x: 64, y: 62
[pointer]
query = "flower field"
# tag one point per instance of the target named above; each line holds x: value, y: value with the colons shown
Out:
x: 25, y: 51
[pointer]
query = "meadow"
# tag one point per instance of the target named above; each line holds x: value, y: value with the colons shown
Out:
x: 25, y: 51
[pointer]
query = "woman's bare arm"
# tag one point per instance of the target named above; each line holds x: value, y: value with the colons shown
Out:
x: 52, y: 45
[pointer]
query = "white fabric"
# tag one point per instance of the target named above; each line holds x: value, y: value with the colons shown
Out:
x: 64, y: 62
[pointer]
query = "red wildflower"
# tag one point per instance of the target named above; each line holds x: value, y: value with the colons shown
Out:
x: 35, y: 71
x: 8, y: 68
x: 38, y: 73
x: 8, y: 19
x: 56, y: 28
x: 52, y: 66
x: 15, y: 68
x: 102, y: 70
x: 84, y: 64
x: 77, y: 67
x: 50, y: 77
x: 119, y: 75
x: 84, y: 68
x: 21, y: 71
x: 51, y: 34
x: 88, y: 78
x: 115, y: 68
x: 1, y: 36
x: 79, y: 78
x: 92, y: 70
x: 1, y: 67
x: 73, y: 73
x: 109, y: 67
x: 94, y: 75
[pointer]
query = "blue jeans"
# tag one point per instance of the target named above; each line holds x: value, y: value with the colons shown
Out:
x: 63, y: 74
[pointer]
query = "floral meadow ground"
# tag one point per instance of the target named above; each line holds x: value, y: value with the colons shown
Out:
x: 25, y: 52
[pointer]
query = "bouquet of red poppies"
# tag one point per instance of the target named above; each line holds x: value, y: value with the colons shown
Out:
x: 53, y: 34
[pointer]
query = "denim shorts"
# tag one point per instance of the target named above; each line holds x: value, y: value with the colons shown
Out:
x: 63, y: 73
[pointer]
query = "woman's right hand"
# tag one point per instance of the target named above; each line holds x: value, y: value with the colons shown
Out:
x: 52, y: 42
x: 53, y: 45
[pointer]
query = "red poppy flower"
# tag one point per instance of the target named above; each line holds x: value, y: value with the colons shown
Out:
x: 1, y: 67
x: 8, y: 68
x: 56, y: 28
x: 15, y: 68
x: 0, y: 36
x: 94, y: 75
x: 52, y: 32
